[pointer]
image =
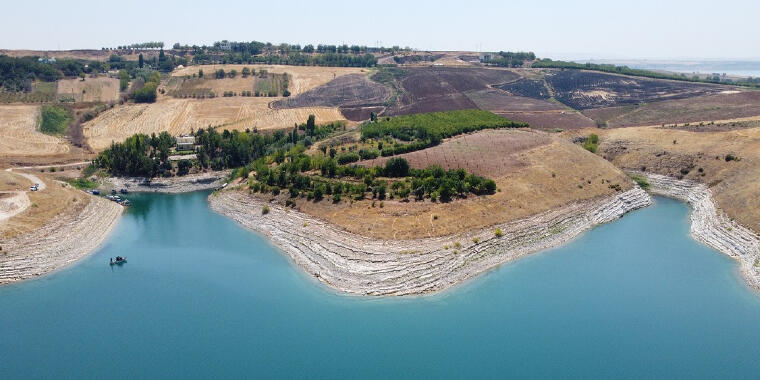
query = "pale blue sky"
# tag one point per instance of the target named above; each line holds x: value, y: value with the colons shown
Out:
x: 561, y: 29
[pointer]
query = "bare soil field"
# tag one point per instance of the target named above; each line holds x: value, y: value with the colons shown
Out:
x: 500, y: 101
x: 19, y: 135
x: 700, y: 156
x: 532, y: 88
x: 485, y: 153
x: 351, y: 92
x: 551, y: 120
x: 430, y: 89
x: 100, y: 89
x: 534, y: 172
x: 719, y: 106
x: 303, y: 79
x: 586, y: 89
x: 178, y: 116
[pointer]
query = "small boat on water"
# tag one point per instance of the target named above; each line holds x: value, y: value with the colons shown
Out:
x: 119, y: 260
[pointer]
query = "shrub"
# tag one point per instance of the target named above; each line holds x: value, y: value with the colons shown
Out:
x: 498, y: 232
x: 347, y: 158
x: 265, y: 210
x: 54, y: 120
x: 397, y: 167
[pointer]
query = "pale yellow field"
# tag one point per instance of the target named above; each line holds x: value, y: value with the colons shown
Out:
x: 19, y: 136
x: 178, y: 116
x: 99, y: 89
x: 303, y: 77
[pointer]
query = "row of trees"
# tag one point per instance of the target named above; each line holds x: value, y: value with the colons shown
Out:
x: 428, y: 129
x: 141, y: 45
x: 548, y: 63
x: 396, y: 178
x: 295, y: 59
x: 508, y: 58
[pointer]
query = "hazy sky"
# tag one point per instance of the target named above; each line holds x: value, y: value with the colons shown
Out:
x: 561, y: 29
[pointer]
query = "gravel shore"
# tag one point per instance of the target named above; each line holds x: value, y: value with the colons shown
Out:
x: 359, y: 265
x: 712, y: 226
x: 62, y: 241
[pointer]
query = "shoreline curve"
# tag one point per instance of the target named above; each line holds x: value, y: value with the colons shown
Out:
x: 359, y: 265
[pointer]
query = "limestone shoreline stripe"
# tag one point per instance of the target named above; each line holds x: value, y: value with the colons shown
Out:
x: 59, y: 243
x: 710, y: 225
x: 358, y: 265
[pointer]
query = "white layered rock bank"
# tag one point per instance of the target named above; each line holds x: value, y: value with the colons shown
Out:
x: 712, y: 226
x: 62, y: 241
x: 359, y: 265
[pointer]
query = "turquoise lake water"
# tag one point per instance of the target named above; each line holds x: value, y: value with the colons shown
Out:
x: 203, y: 298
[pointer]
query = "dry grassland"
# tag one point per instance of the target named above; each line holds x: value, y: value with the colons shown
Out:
x: 303, y: 78
x: 543, y: 172
x: 55, y: 201
x: 19, y: 134
x: 178, y: 116
x: 99, y: 89
x: 699, y: 156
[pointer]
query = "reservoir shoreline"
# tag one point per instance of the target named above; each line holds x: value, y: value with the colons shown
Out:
x: 711, y: 226
x: 358, y: 265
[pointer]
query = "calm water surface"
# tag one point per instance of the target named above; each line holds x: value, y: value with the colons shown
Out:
x: 201, y: 297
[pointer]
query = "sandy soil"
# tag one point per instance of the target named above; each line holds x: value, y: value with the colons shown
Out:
x: 19, y: 134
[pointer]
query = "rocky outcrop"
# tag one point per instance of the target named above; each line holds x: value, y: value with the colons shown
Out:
x: 359, y: 265
x: 172, y: 185
x: 710, y: 225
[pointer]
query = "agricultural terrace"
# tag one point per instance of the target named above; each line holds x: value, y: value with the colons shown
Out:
x: 181, y: 116
x: 303, y: 78
x: 408, y: 133
x: 20, y: 136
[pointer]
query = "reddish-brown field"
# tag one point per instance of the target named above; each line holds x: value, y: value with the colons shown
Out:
x: 498, y: 101
x: 551, y: 120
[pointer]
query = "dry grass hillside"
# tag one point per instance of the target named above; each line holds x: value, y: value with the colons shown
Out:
x: 55, y: 201
x: 19, y: 135
x: 303, y: 77
x: 100, y: 89
x: 534, y: 172
x: 727, y: 161
x: 178, y: 116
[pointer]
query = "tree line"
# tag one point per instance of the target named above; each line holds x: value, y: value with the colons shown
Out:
x: 423, y: 130
x: 607, y: 68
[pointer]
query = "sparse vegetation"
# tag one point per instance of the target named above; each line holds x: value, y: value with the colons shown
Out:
x: 641, y: 181
x: 591, y: 143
